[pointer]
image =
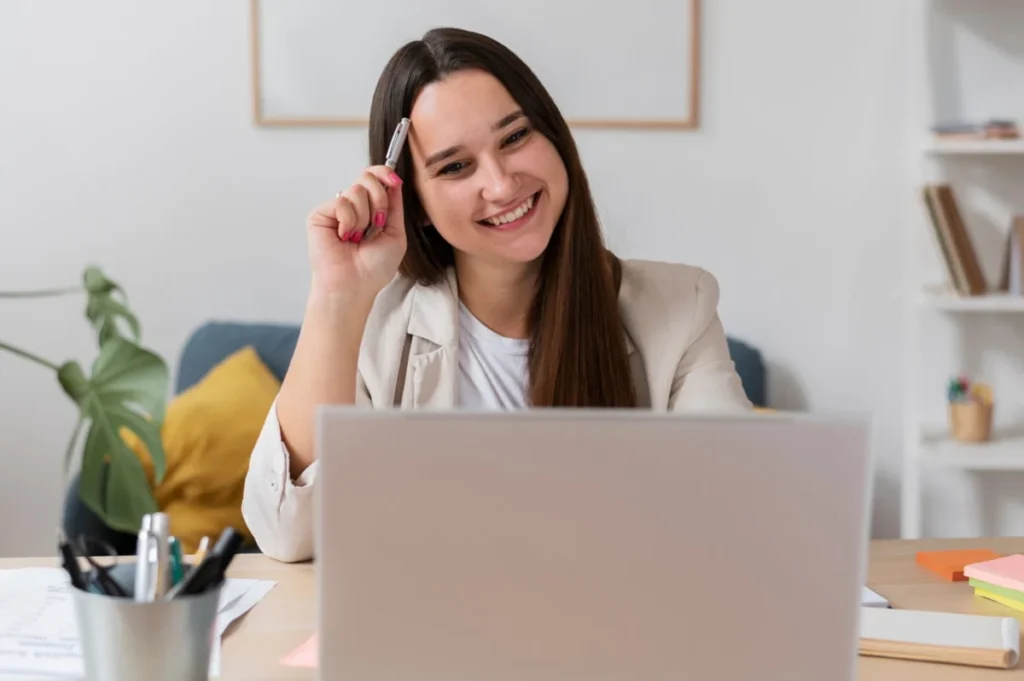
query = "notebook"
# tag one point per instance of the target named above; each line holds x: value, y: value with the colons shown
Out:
x: 977, y: 640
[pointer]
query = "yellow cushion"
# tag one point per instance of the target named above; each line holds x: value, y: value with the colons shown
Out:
x: 208, y: 434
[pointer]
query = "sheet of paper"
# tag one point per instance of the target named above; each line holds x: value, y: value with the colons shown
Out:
x: 39, y: 633
x: 871, y: 599
x: 238, y: 597
x: 306, y: 655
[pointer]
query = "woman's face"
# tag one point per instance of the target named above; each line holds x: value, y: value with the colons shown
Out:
x: 491, y: 185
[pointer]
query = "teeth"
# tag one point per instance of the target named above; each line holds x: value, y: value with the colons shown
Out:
x: 513, y: 215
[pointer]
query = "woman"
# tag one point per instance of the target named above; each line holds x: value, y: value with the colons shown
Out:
x: 485, y: 282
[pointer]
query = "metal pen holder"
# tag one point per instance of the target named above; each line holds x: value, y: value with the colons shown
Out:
x: 163, y: 640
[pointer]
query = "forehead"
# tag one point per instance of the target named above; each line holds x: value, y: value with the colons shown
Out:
x: 454, y: 111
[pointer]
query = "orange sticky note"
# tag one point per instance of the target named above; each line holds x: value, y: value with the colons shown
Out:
x: 950, y: 564
x: 303, y: 656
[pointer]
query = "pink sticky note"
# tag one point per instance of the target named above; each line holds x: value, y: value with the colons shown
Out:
x: 303, y: 656
x: 1007, y: 572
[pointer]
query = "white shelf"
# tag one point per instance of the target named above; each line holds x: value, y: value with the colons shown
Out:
x: 1004, y: 453
x: 976, y: 147
x: 950, y: 301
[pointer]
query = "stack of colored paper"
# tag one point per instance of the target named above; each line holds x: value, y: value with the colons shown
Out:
x: 1000, y: 580
x: 950, y: 564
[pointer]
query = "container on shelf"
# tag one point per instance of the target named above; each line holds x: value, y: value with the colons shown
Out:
x: 970, y: 421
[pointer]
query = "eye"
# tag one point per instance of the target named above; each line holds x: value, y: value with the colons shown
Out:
x: 452, y: 168
x: 517, y: 136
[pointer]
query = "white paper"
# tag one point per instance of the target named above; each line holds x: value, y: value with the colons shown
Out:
x: 871, y: 599
x: 39, y: 633
x: 238, y: 597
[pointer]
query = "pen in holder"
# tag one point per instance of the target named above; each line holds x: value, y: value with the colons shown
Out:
x: 970, y: 411
x: 155, y: 618
x: 160, y: 640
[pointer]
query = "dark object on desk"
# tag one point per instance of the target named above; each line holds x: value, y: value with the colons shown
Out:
x: 97, y: 577
x: 69, y: 561
x: 211, y: 571
x: 212, y: 342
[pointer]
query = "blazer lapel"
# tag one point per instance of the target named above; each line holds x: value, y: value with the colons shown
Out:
x: 433, y: 359
x: 433, y: 351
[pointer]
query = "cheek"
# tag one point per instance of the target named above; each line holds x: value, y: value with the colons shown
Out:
x: 548, y: 166
x: 448, y: 205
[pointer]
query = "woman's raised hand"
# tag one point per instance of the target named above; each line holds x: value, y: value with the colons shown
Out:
x: 357, y: 240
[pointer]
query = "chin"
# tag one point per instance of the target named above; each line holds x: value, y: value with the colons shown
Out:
x: 526, y: 251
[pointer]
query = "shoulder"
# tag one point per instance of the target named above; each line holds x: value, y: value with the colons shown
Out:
x: 666, y: 306
x: 652, y: 288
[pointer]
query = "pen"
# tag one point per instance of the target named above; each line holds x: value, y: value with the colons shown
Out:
x: 391, y: 160
x: 211, y: 571
x: 397, y: 143
x: 177, y: 562
x: 204, y: 545
x: 69, y: 561
x: 161, y: 527
x: 145, y: 564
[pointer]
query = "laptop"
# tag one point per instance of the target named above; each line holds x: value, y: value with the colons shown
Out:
x: 572, y: 545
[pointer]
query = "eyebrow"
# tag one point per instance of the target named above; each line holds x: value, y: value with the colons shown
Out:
x: 444, y: 154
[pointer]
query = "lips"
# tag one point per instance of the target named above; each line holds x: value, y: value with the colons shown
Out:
x: 514, y: 217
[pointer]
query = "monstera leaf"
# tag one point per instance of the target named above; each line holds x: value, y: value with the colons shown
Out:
x: 127, y: 390
x: 106, y: 305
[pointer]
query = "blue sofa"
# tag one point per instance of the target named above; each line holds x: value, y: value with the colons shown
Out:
x: 214, y: 341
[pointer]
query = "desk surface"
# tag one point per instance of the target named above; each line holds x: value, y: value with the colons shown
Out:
x: 286, y: 617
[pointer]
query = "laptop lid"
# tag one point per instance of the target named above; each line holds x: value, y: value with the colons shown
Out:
x: 559, y: 545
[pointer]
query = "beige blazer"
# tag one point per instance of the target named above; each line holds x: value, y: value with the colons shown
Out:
x: 409, y: 358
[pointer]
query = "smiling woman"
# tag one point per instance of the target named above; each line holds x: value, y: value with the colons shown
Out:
x: 484, y: 282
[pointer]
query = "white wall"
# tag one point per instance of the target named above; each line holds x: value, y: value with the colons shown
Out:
x: 126, y: 139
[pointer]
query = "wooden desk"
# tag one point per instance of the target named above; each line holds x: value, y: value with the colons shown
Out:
x: 286, y: 617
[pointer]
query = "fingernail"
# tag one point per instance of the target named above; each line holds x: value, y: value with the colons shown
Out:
x: 346, y: 236
x: 380, y: 218
x: 395, y: 179
x: 357, y: 237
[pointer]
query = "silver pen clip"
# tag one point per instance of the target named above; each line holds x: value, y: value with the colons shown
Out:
x: 145, y: 566
x: 397, y: 142
x: 161, y: 529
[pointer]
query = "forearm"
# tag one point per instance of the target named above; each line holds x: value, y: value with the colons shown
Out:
x: 322, y: 370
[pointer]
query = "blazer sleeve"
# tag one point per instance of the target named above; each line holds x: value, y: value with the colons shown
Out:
x: 706, y: 377
x: 277, y: 508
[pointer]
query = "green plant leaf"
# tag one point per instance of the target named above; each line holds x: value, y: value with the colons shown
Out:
x: 106, y: 305
x: 127, y: 389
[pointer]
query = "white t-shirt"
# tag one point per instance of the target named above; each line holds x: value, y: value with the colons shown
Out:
x: 493, y: 369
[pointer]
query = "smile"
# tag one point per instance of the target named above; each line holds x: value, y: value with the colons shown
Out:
x: 515, y: 217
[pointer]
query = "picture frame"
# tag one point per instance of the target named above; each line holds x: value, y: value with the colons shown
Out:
x: 288, y: 62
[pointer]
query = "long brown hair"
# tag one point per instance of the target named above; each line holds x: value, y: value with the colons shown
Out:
x: 578, y: 355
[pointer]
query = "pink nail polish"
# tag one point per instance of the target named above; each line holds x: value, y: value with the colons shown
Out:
x: 395, y: 179
x: 346, y: 236
x: 380, y: 218
x: 357, y: 237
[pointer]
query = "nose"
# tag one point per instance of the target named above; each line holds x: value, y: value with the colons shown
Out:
x: 500, y: 185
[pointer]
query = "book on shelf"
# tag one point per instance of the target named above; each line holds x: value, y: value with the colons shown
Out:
x: 992, y: 129
x: 958, y: 252
x: 1012, y: 279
